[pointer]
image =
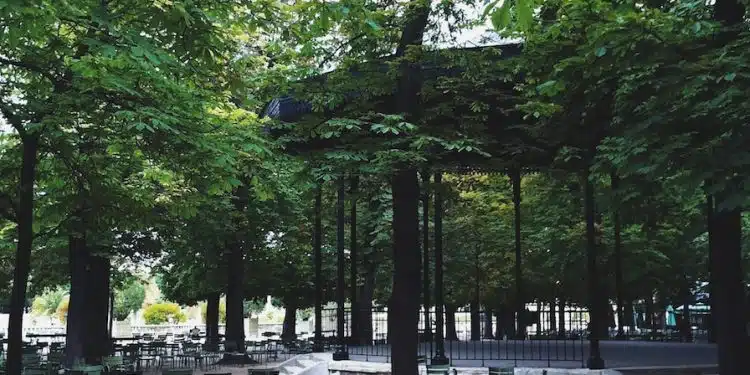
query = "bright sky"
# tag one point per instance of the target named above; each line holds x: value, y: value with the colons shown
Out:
x: 480, y: 35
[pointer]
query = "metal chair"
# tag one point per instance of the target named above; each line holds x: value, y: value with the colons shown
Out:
x: 501, y: 371
x: 438, y: 369
x: 178, y: 372
x: 252, y: 371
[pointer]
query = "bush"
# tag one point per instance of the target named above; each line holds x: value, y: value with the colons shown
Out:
x: 163, y: 312
x: 62, y: 309
x: 222, y: 312
x: 47, y: 303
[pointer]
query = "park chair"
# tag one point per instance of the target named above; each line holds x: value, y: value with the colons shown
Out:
x: 54, y: 361
x: 116, y: 363
x: 501, y: 371
x: 183, y: 371
x: 31, y: 361
x: 87, y: 369
x: 256, y: 371
x: 438, y: 369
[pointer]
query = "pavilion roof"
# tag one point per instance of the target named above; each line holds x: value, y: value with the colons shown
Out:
x: 509, y: 144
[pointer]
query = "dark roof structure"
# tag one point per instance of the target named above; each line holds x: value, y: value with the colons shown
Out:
x: 502, y: 130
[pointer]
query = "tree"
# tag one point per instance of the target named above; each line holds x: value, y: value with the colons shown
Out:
x: 129, y: 299
x: 98, y: 61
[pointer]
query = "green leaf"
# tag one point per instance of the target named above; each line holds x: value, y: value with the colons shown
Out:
x: 489, y: 8
x: 373, y: 25
x: 501, y: 16
x: 524, y: 13
x: 601, y: 51
x: 730, y: 76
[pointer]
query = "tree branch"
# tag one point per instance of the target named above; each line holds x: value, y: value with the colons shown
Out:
x: 14, y: 120
x: 341, y: 46
x: 53, y: 229
x: 31, y: 67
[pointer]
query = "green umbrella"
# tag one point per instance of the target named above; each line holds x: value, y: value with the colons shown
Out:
x: 670, y: 319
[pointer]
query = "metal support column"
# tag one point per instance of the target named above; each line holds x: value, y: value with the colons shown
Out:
x: 439, y: 357
x: 354, y: 317
x: 619, y: 284
x: 595, y: 360
x: 317, y: 257
x: 426, y: 256
x: 340, y: 354
x: 520, y: 307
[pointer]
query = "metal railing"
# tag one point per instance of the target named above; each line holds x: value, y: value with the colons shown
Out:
x: 541, y: 343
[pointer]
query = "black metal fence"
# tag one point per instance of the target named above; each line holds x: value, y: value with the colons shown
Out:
x: 550, y: 338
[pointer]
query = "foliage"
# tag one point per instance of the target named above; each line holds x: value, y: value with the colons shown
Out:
x: 163, y: 312
x: 47, y: 303
x: 129, y: 299
x: 222, y: 312
x: 62, y: 309
x: 252, y: 307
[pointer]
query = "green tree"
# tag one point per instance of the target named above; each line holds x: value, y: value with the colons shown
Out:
x: 129, y: 299
x: 99, y: 62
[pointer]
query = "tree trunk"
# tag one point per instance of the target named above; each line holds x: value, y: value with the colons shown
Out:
x: 289, y: 329
x: 712, y: 271
x: 97, y: 302
x: 561, y: 323
x: 235, y: 324
x: 404, y: 338
x: 488, y: 324
x: 728, y: 306
x: 212, y: 322
x: 450, y: 322
x: 476, y: 324
x: 88, y: 306
x: 75, y: 346
x: 23, y: 254
x: 234, y: 332
x: 405, y: 192
x: 731, y: 331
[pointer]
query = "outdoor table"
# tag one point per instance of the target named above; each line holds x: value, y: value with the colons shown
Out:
x: 88, y: 369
